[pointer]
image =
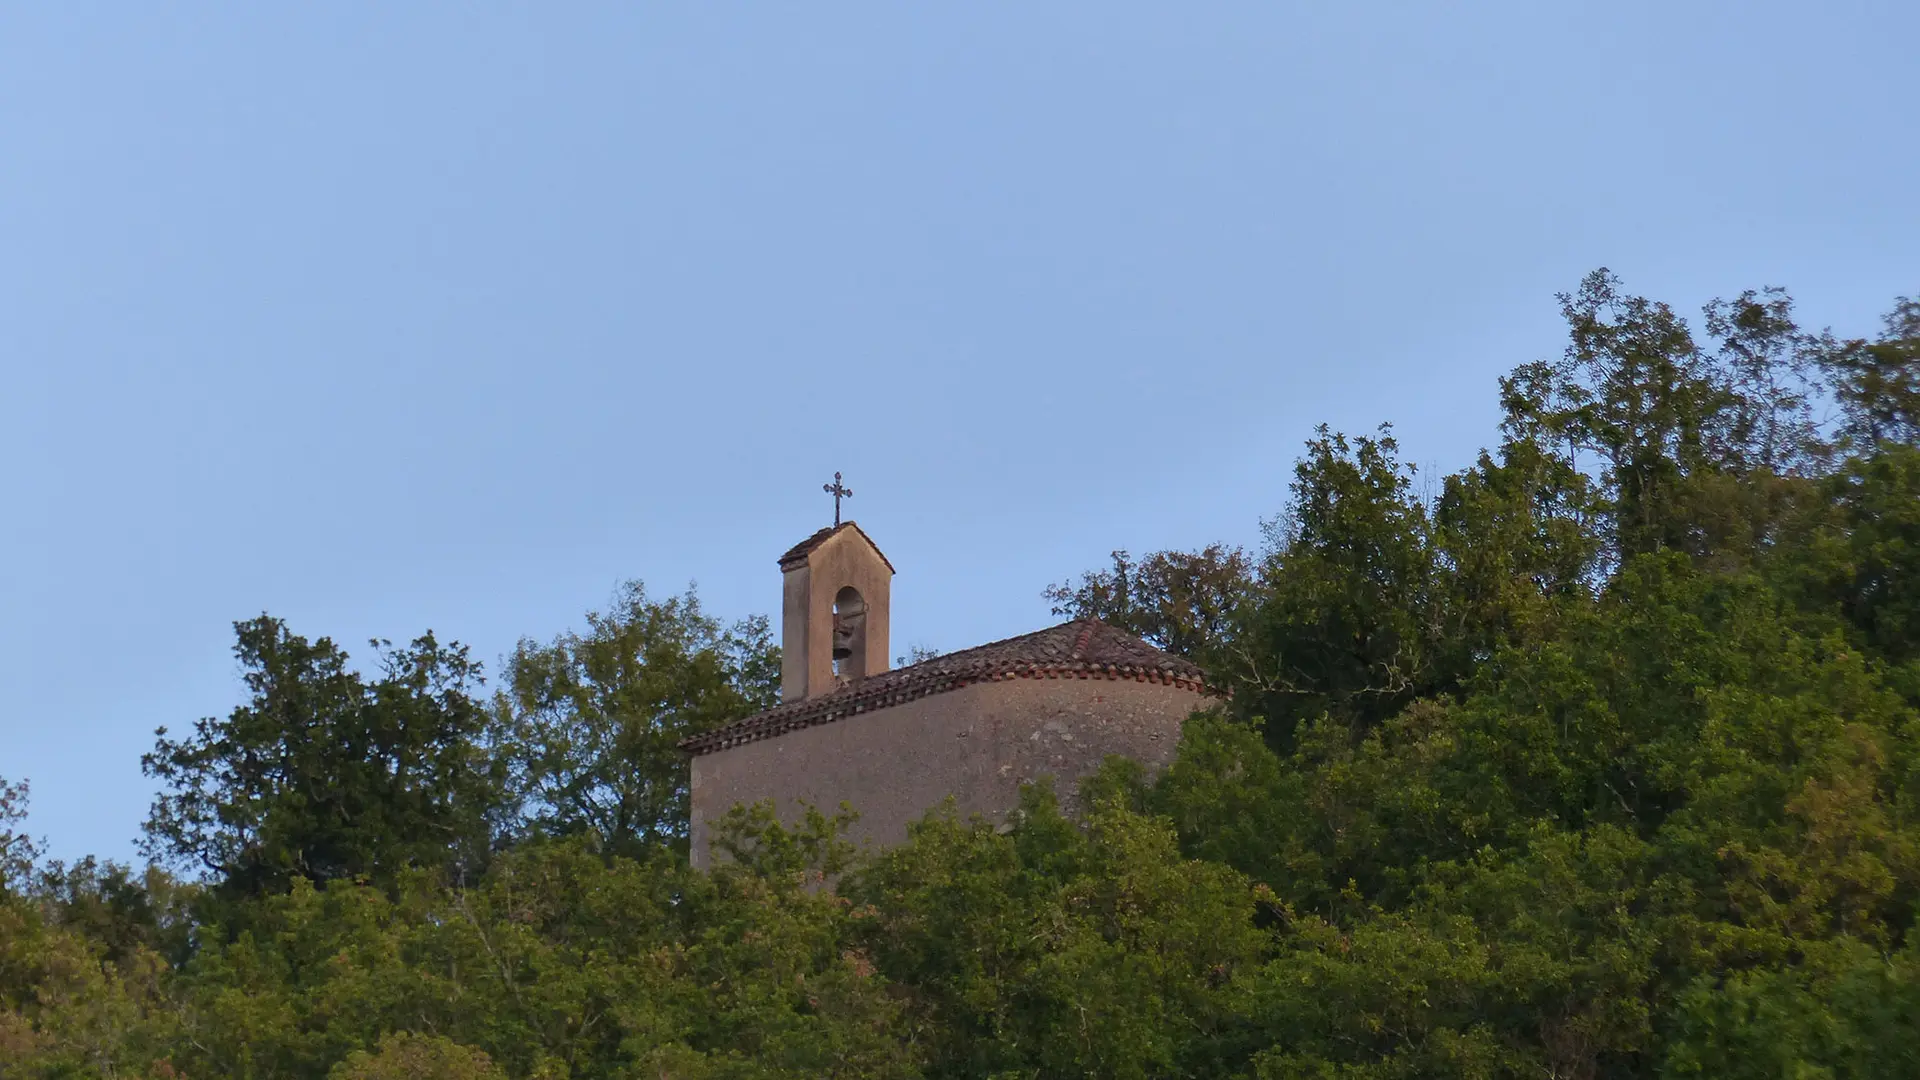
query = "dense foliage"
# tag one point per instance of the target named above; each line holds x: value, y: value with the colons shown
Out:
x: 1599, y: 758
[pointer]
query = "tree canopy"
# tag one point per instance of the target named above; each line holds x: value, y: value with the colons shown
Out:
x: 1597, y: 758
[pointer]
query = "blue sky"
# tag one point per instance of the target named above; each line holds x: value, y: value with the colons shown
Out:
x: 389, y: 317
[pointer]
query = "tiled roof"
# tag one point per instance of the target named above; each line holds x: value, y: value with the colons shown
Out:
x: 1083, y: 649
x: 805, y: 547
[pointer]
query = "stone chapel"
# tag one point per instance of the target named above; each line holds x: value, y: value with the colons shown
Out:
x: 974, y: 725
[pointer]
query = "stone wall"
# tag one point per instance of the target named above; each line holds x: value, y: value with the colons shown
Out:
x: 978, y: 743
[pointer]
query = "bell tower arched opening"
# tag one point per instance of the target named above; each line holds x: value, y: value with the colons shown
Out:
x: 849, y: 635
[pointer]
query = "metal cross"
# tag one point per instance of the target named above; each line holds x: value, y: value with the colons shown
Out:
x: 838, y: 491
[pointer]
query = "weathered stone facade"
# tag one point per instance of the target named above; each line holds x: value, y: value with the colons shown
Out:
x: 973, y: 725
x: 978, y: 744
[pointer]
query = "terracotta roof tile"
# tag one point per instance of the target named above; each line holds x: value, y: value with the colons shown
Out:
x: 805, y: 547
x: 1080, y: 649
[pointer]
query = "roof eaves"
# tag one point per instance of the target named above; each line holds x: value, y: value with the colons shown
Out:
x: 812, y: 543
x: 1022, y: 656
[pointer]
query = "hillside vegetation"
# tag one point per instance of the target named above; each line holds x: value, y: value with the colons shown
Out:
x: 1599, y: 758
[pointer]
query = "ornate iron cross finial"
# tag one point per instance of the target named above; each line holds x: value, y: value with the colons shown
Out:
x: 838, y: 491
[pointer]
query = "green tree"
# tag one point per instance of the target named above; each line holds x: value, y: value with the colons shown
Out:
x: 67, y: 1011
x: 597, y: 717
x: 1769, y: 369
x: 18, y: 851
x: 122, y: 912
x: 1877, y: 383
x: 558, y: 962
x: 1636, y: 395
x: 1515, y: 545
x: 1602, y: 763
x: 1059, y: 948
x: 325, y: 775
x: 1872, y: 549
x: 1344, y: 618
x: 1189, y: 603
x: 407, y: 1056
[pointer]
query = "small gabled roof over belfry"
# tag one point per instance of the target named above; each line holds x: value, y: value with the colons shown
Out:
x: 799, y: 552
x: 1082, y: 649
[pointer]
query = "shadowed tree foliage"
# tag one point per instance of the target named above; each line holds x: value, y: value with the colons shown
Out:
x: 325, y: 775
x: 1877, y: 383
x: 1344, y: 622
x: 17, y: 850
x: 1187, y: 603
x: 1770, y: 369
x: 1636, y: 397
x: 1514, y: 543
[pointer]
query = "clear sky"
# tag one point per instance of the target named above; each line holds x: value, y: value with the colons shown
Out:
x: 402, y: 316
